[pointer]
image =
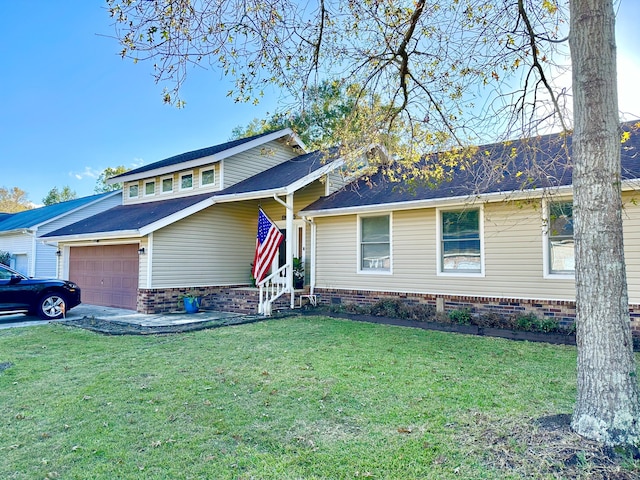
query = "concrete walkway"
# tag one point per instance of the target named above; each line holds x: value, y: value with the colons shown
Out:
x: 121, y: 315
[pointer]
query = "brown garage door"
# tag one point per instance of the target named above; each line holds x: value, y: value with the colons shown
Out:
x: 107, y: 275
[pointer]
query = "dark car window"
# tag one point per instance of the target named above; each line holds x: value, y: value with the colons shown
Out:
x: 5, y: 274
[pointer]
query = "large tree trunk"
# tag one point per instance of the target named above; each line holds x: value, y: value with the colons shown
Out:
x: 607, y: 407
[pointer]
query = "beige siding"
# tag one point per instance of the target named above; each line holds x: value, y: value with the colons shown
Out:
x: 254, y: 161
x: 212, y: 247
x: 631, y: 221
x: 512, y: 245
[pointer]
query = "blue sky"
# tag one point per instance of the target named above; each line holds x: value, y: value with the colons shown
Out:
x: 71, y: 107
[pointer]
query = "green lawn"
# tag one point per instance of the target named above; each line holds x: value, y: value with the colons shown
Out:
x: 295, y: 398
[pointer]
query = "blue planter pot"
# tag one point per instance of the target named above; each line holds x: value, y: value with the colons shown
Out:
x: 191, y: 304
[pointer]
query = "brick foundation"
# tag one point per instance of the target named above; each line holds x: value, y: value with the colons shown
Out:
x: 236, y: 299
x: 562, y: 311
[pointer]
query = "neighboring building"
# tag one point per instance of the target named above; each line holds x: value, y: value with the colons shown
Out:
x: 496, y: 238
x: 189, y: 223
x: 19, y: 231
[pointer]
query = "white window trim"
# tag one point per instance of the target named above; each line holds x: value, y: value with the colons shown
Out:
x: 546, y: 252
x: 184, y: 174
x: 135, y: 184
x: 364, y: 271
x: 439, y: 271
x: 144, y: 193
x: 202, y: 170
x: 173, y: 184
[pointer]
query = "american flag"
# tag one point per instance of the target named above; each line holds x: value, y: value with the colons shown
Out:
x: 268, y: 240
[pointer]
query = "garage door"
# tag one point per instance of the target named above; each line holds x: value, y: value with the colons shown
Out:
x: 107, y: 275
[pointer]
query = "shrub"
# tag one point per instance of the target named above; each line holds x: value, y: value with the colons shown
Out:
x: 422, y: 312
x: 495, y: 320
x: 463, y: 317
x: 390, y: 307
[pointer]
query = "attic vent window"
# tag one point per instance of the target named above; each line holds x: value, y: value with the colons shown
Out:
x: 186, y: 181
x: 208, y: 177
x: 133, y: 191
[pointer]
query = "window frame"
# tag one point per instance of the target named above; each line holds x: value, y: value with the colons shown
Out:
x: 186, y: 174
x: 440, y: 271
x: 202, y: 172
x: 146, y: 183
x: 130, y: 187
x: 547, y: 238
x: 374, y: 271
x: 162, y: 180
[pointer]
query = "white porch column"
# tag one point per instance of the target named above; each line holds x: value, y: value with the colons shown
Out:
x: 289, y: 247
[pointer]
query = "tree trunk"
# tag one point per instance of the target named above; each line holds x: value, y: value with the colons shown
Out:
x: 607, y: 407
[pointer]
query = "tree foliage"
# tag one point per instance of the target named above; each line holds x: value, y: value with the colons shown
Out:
x: 57, y: 196
x: 14, y: 200
x: 101, y: 183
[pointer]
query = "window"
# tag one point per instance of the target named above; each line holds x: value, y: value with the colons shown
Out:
x: 460, y: 242
x: 167, y: 185
x: 186, y: 181
x: 375, y: 246
x: 207, y: 177
x: 133, y: 191
x: 149, y: 188
x: 560, y: 233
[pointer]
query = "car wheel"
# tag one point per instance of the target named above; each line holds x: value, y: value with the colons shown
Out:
x: 52, y: 306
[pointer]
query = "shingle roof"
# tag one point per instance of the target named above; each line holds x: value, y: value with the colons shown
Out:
x: 38, y: 216
x: 129, y: 217
x: 498, y: 168
x: 192, y: 155
x: 281, y: 175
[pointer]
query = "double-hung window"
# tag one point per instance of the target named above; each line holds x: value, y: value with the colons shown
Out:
x: 460, y: 241
x: 375, y: 244
x: 560, y: 236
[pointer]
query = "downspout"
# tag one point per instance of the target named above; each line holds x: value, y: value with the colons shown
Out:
x: 289, y: 245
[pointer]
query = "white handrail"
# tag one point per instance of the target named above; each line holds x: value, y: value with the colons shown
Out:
x: 271, y: 288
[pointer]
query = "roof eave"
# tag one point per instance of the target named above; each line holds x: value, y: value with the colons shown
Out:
x: 210, y: 158
x: 434, y: 202
x: 94, y: 236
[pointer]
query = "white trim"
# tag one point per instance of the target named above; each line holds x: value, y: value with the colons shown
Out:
x: 206, y: 169
x: 128, y: 189
x: 145, y: 183
x: 461, y: 273
x: 181, y: 175
x: 173, y: 184
x: 366, y: 271
x: 149, y: 254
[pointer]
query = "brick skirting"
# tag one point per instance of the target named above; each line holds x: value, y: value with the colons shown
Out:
x: 561, y: 310
x: 242, y: 299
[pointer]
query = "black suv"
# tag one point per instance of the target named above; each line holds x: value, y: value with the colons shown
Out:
x: 47, y: 298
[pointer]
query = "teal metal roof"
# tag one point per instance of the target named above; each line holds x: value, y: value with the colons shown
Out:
x: 37, y: 216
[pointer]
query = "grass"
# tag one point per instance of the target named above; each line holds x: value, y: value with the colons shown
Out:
x: 295, y: 398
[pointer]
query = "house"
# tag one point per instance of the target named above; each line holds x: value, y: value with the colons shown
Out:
x: 20, y: 232
x: 188, y: 223
x: 496, y: 238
